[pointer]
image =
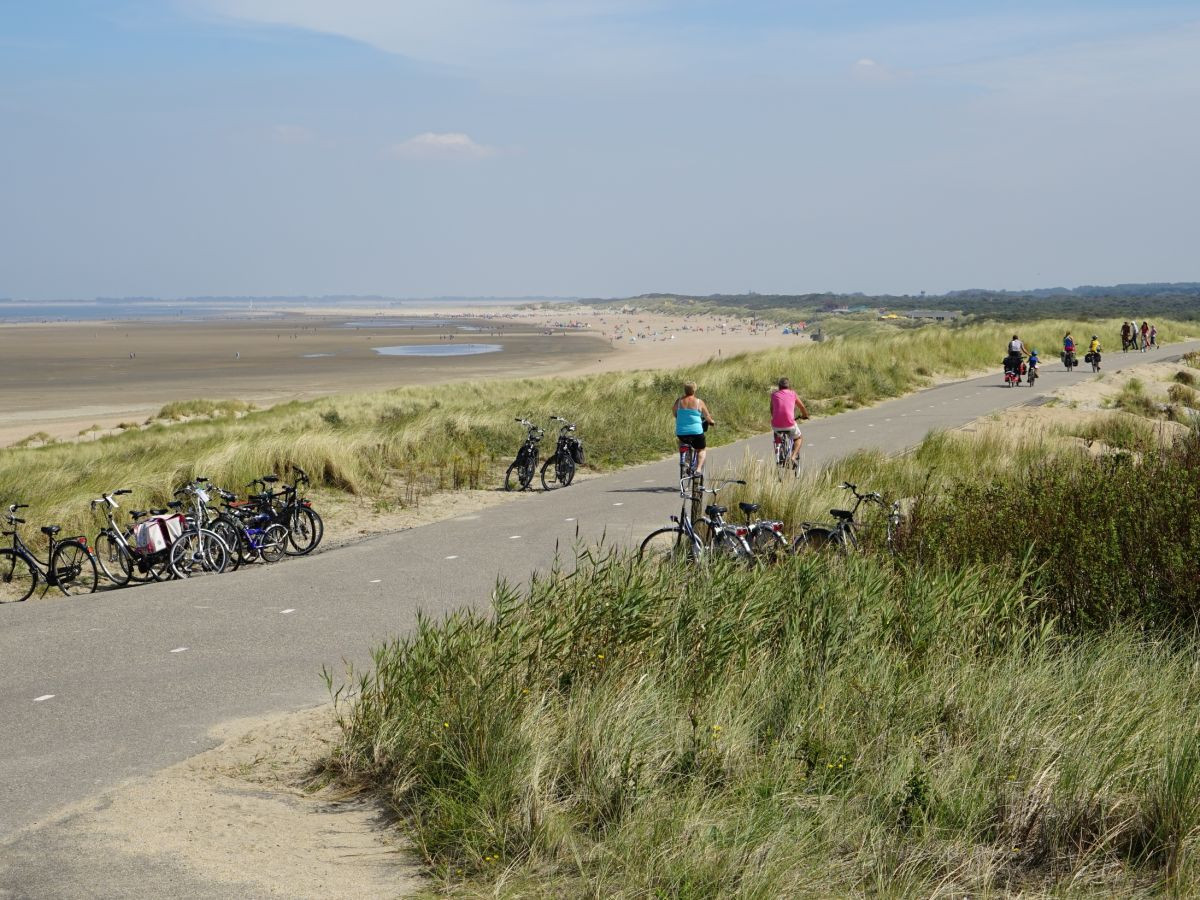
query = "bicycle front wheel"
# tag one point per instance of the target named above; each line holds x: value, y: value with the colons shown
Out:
x: 274, y: 543
x: 114, y: 560
x: 550, y: 474
x: 512, y: 477
x: 17, y: 577
x: 195, y: 554
x: 669, y: 545
x: 230, y: 535
x: 72, y: 569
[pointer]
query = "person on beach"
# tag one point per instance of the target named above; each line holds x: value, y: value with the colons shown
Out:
x: 1145, y: 336
x: 691, y: 419
x: 1153, y: 337
x: 785, y: 404
x: 1126, y: 336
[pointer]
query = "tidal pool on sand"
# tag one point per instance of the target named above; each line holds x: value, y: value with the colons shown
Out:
x: 437, y: 349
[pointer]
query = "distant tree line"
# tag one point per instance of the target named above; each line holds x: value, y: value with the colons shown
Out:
x: 1180, y: 300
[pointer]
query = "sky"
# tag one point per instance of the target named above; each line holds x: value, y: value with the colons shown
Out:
x: 415, y: 148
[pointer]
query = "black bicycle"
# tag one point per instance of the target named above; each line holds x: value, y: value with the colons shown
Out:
x: 691, y: 537
x: 521, y: 473
x: 841, y: 535
x: 69, y: 564
x: 559, y: 468
x: 295, y: 513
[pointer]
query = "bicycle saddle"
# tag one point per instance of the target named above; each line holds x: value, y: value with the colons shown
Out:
x: 51, y: 529
x: 175, y: 504
x: 841, y: 514
x: 715, y: 510
x: 748, y: 508
x: 158, y: 512
x: 136, y: 513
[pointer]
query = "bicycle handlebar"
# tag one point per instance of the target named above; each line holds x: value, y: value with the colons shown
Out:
x: 15, y: 506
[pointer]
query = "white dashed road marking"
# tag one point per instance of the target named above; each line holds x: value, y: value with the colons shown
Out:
x: 618, y: 504
x: 43, y: 697
x: 570, y: 519
x: 514, y: 537
x: 454, y: 556
x: 375, y: 581
x: 284, y: 612
x: 179, y: 649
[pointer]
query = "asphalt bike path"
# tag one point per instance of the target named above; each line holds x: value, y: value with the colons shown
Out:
x: 102, y: 688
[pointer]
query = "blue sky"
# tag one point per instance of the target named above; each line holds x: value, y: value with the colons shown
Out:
x: 593, y: 147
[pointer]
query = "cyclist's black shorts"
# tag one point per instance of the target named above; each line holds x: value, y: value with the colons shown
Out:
x: 696, y: 441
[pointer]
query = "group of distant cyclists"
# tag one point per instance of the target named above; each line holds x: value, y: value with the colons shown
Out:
x: 693, y: 418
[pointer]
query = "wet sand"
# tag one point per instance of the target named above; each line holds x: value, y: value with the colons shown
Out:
x: 63, y: 377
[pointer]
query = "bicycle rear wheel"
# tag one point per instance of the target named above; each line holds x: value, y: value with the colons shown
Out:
x: 816, y: 538
x: 72, y: 569
x: 728, y: 545
x: 669, y: 545
x: 274, y: 543
x: 230, y: 534
x: 17, y: 577
x: 305, y: 530
x: 768, y: 545
x: 114, y: 560
x: 550, y: 474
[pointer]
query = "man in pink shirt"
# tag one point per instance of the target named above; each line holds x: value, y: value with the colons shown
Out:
x: 784, y: 407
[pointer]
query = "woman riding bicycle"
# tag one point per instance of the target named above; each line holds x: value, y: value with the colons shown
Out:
x: 691, y: 419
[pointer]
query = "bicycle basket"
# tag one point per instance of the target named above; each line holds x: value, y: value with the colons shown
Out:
x: 576, y: 447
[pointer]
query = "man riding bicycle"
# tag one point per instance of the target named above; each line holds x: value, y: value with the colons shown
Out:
x: 785, y: 404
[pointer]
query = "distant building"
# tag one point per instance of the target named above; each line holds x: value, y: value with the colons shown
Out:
x: 940, y: 315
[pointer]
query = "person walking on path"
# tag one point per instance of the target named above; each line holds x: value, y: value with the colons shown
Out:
x: 1145, y: 336
x: 1153, y: 337
x: 1126, y: 336
x: 692, y: 418
x: 785, y: 405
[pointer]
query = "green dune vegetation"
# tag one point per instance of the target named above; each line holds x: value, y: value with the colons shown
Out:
x: 1003, y: 703
x: 381, y: 445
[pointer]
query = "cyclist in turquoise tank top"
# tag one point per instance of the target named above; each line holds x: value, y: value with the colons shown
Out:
x: 691, y: 419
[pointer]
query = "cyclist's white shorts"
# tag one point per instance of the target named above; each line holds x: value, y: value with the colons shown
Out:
x: 794, y: 431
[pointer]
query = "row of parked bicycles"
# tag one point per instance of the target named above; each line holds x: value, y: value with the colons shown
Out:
x: 701, y: 530
x: 206, y: 530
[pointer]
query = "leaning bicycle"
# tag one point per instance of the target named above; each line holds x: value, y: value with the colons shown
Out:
x: 521, y: 472
x: 842, y: 534
x: 559, y: 468
x: 693, y: 538
x: 198, y: 550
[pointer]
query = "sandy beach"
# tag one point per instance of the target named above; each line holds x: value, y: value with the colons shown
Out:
x: 61, y: 378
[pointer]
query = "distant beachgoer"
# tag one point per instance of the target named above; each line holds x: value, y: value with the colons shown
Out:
x: 1153, y: 337
x: 692, y: 418
x: 237, y: 354
x: 1145, y: 335
x: 1126, y: 336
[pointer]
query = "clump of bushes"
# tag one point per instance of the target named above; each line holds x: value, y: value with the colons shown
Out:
x: 191, y: 409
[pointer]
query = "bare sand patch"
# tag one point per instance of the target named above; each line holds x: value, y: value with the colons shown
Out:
x: 240, y: 820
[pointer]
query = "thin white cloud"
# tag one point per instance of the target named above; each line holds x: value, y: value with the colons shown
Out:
x: 874, y: 72
x: 453, y: 145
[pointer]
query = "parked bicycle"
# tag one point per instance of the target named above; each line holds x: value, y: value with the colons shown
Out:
x: 764, y: 536
x: 691, y: 538
x: 521, y: 472
x: 199, y: 550
x: 121, y: 555
x: 841, y: 535
x: 69, y: 565
x: 559, y: 468
x: 295, y: 513
x: 249, y: 529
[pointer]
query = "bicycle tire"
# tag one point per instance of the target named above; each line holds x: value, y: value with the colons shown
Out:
x: 273, y: 543
x: 567, y: 475
x: 305, y: 529
x: 727, y: 545
x: 114, y: 559
x: 816, y: 538
x: 231, y: 534
x: 669, y: 545
x: 768, y: 545
x: 528, y: 471
x: 553, y: 481
x: 195, y: 555
x: 512, y: 477
x: 72, y: 569
x: 18, y: 578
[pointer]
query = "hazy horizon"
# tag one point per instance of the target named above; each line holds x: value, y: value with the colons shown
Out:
x: 594, y: 148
